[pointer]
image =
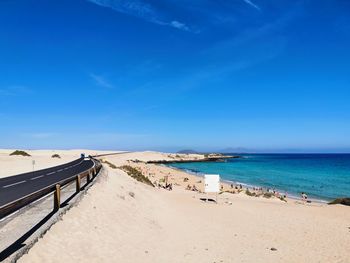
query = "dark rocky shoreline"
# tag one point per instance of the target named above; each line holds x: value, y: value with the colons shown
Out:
x: 207, y: 159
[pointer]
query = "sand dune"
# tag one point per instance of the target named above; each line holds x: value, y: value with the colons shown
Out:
x: 12, y: 165
x: 121, y: 220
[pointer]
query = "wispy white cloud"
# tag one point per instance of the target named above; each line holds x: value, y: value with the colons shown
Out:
x: 101, y: 81
x: 252, y: 47
x: 179, y: 25
x: 252, y: 4
x: 141, y: 10
x: 134, y: 7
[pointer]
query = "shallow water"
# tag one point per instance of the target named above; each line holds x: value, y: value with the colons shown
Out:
x: 321, y: 176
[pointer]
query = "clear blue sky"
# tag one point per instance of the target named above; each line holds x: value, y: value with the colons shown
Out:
x: 268, y: 75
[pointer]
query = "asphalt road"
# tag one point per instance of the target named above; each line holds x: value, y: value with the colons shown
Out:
x: 17, y: 186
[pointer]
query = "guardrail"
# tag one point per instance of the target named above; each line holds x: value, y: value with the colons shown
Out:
x: 14, y: 206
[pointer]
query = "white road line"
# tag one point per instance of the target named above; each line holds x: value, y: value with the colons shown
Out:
x: 9, y: 185
x: 34, y: 178
x: 51, y: 173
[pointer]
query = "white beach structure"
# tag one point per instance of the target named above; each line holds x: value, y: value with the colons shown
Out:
x: 212, y: 184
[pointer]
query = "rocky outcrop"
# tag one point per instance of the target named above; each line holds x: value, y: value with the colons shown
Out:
x: 206, y: 159
x: 341, y: 201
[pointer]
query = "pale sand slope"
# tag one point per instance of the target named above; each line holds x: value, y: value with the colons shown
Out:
x: 156, y: 225
x: 12, y: 165
x: 150, y: 156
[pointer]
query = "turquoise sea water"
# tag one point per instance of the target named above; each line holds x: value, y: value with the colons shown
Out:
x: 321, y: 176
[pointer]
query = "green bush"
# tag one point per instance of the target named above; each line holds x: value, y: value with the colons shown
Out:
x: 268, y: 195
x: 56, y: 156
x: 282, y: 198
x: 136, y: 174
x: 20, y: 153
x: 249, y: 193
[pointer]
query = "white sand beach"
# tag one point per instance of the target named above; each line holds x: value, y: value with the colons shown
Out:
x: 122, y: 220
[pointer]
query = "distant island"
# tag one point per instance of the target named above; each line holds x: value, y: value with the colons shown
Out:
x: 234, y: 150
x: 237, y: 150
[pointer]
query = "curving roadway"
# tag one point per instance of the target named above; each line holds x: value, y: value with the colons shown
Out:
x: 15, y: 187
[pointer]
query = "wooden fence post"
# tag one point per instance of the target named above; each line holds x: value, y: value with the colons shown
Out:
x: 57, y: 197
x: 78, y: 183
x: 88, y: 177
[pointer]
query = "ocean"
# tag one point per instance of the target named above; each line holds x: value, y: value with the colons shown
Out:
x: 321, y: 176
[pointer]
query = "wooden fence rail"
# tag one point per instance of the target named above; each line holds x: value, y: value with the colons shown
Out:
x: 55, y: 188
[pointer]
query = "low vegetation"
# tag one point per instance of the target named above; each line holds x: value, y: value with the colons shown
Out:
x: 265, y: 195
x: 136, y: 174
x: 227, y: 191
x: 20, y: 153
x: 249, y: 193
x: 341, y: 201
x: 268, y: 195
x: 109, y: 164
x: 56, y: 156
x: 282, y: 198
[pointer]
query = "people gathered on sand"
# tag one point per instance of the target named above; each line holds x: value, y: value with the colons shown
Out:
x: 232, y: 188
x: 192, y: 188
x: 166, y: 186
x: 257, y: 191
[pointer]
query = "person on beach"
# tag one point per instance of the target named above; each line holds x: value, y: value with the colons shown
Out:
x: 169, y: 187
x: 304, y: 197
